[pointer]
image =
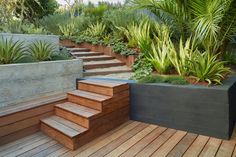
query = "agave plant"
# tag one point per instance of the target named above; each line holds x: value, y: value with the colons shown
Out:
x: 206, y: 67
x: 10, y: 51
x: 96, y: 30
x: 41, y: 50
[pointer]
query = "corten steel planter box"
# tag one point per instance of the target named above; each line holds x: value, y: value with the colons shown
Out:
x: 128, y: 60
x: 203, y: 110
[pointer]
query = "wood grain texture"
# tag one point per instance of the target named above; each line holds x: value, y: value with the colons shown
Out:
x: 170, y: 144
x: 135, y: 149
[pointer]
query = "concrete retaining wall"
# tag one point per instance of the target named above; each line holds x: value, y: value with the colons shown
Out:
x: 20, y: 82
x: 29, y: 38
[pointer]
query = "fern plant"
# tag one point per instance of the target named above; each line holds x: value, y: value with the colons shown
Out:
x: 41, y: 50
x: 206, y: 67
x: 10, y: 51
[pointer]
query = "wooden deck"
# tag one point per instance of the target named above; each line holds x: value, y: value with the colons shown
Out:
x: 131, y: 139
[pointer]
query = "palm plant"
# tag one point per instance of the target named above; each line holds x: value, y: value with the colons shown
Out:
x: 206, y: 67
x: 213, y: 22
x: 41, y: 50
x: 11, y: 52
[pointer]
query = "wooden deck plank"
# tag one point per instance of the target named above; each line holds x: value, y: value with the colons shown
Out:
x: 28, y: 147
x: 182, y: 146
x: 211, y: 148
x: 153, y: 146
x: 58, y: 152
x: 226, y: 149
x: 49, y: 150
x: 38, y: 149
x: 170, y: 144
x: 114, y: 144
x: 148, y: 140
x: 21, y: 145
x: 143, y: 143
x: 98, y: 141
x: 20, y: 141
x: 129, y: 143
x: 195, y: 149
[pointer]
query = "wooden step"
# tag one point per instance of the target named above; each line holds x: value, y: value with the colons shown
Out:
x: 96, y: 58
x: 76, y: 113
x: 81, y: 54
x: 88, y: 99
x: 107, y: 71
x: 78, y: 49
x: 62, y: 130
x: 68, y: 46
x: 104, y: 87
x: 102, y: 64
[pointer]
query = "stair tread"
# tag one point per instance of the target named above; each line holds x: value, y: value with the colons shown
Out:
x: 103, y: 83
x: 84, y: 53
x: 77, y: 49
x: 78, y: 109
x: 92, y: 57
x: 118, y: 68
x: 90, y: 95
x: 113, y: 61
x: 64, y: 126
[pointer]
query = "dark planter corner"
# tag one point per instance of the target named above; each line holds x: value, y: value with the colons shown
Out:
x: 202, y: 110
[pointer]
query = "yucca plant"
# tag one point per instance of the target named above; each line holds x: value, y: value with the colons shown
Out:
x: 96, y: 30
x: 160, y: 48
x: 41, y: 50
x: 10, y: 51
x: 68, y: 29
x: 207, y: 68
x: 181, y: 58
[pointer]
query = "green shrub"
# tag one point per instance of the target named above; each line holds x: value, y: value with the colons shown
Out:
x: 122, y: 49
x: 51, y: 22
x: 64, y: 54
x: 206, y: 67
x: 176, y: 80
x: 10, y: 51
x: 96, y: 30
x: 68, y: 29
x: 41, y: 50
x: 229, y: 58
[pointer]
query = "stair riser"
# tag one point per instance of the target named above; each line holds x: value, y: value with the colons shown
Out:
x: 82, y: 50
x: 109, y: 91
x: 85, y: 102
x: 96, y: 66
x: 72, y: 117
x: 106, y: 72
x: 97, y: 59
x: 104, y: 124
x: 60, y: 137
x: 95, y: 89
x: 87, y: 54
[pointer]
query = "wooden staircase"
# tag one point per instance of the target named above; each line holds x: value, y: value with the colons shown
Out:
x: 92, y: 110
x: 97, y: 63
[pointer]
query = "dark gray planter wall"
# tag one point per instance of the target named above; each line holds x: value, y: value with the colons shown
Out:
x: 202, y: 110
